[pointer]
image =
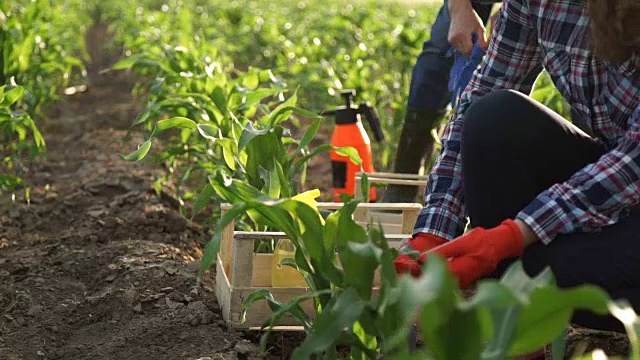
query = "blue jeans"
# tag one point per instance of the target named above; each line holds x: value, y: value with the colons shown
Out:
x: 430, y: 78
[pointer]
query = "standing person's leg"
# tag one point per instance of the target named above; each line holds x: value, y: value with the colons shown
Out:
x: 512, y: 149
x: 426, y: 106
x: 427, y: 103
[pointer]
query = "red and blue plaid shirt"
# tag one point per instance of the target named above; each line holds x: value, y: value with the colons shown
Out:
x: 532, y: 35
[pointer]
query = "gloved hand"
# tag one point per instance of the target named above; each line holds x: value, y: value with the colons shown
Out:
x: 478, y: 252
x: 421, y: 243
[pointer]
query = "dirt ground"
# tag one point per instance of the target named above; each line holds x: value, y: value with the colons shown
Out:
x: 97, y: 266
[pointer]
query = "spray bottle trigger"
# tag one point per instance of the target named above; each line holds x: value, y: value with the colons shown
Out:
x: 374, y: 120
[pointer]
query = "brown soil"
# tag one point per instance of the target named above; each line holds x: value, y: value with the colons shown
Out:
x: 97, y: 265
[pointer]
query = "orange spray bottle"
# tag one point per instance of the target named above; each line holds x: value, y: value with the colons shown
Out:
x: 350, y: 132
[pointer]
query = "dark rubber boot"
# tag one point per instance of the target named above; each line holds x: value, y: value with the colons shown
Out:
x: 416, y: 143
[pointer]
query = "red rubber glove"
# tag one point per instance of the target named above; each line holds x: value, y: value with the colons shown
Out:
x: 478, y: 252
x: 421, y: 243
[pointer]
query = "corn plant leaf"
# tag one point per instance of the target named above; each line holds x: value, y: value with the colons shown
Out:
x: 388, y: 276
x: 228, y: 152
x: 262, y: 151
x: 359, y: 261
x: 176, y: 123
x: 286, y: 190
x: 208, y: 131
x: 251, y: 80
x: 348, y: 230
x: 310, y: 134
x: 249, y: 133
x: 435, y: 294
x: 262, y: 209
x: 126, y: 63
x: 300, y: 163
x: 492, y: 293
x: 461, y: 337
x: 14, y: 95
x: 330, y: 324
x: 364, y: 185
x: 10, y: 181
x: 282, y: 111
x: 213, y: 246
x: 366, y: 345
x: 311, y: 224
x: 204, y: 198
x: 308, y: 197
x: 505, y: 309
x: 219, y: 97
x: 233, y: 190
x: 292, y: 307
x: 38, y: 140
x: 273, y: 184
x: 549, y: 312
x: 254, y: 97
x: 559, y: 346
x: 350, y: 152
x: 140, y: 153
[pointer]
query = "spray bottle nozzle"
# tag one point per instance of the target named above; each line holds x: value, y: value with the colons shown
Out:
x: 347, y: 95
x: 348, y: 113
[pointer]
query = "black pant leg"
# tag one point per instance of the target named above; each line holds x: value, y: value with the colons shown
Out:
x: 609, y: 259
x: 512, y: 149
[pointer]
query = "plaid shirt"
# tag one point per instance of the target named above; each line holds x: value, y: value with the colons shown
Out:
x: 552, y: 34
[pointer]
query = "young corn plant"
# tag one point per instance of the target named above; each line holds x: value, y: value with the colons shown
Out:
x: 18, y: 136
x: 227, y: 120
x: 506, y: 317
x: 38, y: 50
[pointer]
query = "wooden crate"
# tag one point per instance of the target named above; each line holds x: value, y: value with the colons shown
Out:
x: 240, y: 271
x: 388, y: 178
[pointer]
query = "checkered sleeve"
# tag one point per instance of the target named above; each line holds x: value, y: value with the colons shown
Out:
x: 594, y: 197
x: 513, y: 61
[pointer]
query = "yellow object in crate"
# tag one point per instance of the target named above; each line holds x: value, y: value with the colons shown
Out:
x: 285, y: 275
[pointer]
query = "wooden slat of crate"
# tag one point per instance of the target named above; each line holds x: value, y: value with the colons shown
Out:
x: 371, y: 211
x: 230, y: 300
x: 390, y: 175
x: 391, y: 179
x: 230, y: 296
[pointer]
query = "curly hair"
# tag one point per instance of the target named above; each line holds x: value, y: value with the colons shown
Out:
x: 615, y: 28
